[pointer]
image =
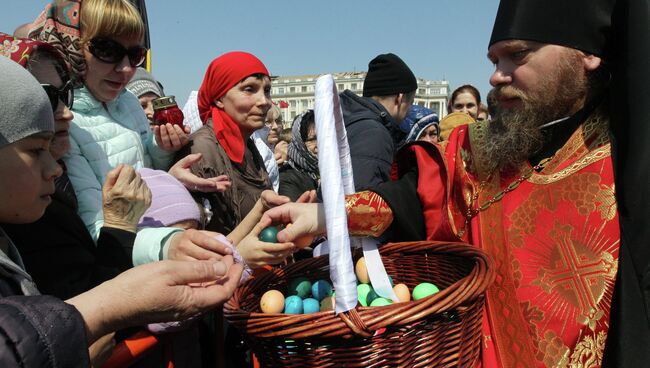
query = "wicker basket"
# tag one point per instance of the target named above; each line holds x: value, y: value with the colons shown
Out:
x: 443, y: 330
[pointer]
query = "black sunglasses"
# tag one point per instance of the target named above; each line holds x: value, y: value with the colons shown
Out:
x: 64, y: 94
x: 112, y: 52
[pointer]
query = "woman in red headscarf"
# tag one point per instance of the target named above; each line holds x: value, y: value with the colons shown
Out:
x: 233, y: 101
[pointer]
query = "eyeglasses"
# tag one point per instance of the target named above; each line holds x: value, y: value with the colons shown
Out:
x: 112, y: 52
x: 64, y: 94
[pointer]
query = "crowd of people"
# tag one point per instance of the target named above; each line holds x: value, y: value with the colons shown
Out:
x: 112, y: 221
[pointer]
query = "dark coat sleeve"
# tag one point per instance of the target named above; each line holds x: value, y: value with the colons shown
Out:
x: 402, y: 198
x: 41, y: 332
x: 293, y: 183
x: 371, y: 150
x: 60, y: 255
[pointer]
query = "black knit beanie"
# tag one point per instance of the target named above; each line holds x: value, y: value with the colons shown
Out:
x: 388, y: 75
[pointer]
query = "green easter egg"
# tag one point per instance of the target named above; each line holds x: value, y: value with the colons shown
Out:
x: 372, y: 295
x: 362, y: 293
x: 424, y: 290
x: 300, y: 286
x: 269, y: 234
x: 380, y: 302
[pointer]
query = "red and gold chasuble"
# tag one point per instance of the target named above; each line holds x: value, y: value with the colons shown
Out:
x: 554, y: 239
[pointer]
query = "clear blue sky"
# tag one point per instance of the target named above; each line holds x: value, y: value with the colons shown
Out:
x: 436, y: 38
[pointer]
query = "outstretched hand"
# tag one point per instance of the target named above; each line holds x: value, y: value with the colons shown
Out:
x: 181, y: 171
x: 125, y: 198
x: 193, y: 244
x: 171, y: 137
x: 257, y: 253
x: 306, y: 219
x: 157, y: 292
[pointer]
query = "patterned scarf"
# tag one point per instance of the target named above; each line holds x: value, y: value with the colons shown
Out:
x: 59, y: 25
x: 21, y: 50
x: 299, y: 156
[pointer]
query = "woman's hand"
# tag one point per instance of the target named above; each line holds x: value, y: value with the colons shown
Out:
x: 125, y: 198
x: 280, y: 152
x: 157, y: 292
x: 171, y: 137
x: 191, y: 245
x: 305, y: 219
x: 256, y: 253
x: 181, y: 171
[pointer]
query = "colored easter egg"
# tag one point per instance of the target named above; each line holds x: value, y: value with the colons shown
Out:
x: 372, y: 295
x: 303, y: 241
x: 402, y: 292
x: 321, y: 289
x: 293, y: 305
x: 380, y: 302
x: 300, y: 286
x: 269, y: 234
x: 424, y: 290
x: 362, y: 271
x: 327, y: 304
x: 310, y: 305
x: 272, y: 302
x: 362, y: 293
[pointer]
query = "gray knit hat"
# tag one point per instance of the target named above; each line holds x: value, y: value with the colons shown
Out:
x: 143, y: 82
x: 24, y: 106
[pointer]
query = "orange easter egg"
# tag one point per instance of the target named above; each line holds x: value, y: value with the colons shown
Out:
x: 272, y: 302
x: 402, y: 292
x: 362, y: 271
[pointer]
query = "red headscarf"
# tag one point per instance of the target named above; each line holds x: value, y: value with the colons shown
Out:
x: 224, y: 73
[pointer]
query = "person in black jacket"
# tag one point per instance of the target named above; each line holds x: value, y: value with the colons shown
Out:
x: 372, y: 121
x: 300, y: 174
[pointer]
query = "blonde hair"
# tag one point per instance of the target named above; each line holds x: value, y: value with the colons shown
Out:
x: 110, y: 18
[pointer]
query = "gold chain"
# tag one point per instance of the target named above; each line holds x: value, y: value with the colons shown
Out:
x: 471, y: 212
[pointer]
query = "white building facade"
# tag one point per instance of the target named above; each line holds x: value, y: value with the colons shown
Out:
x: 295, y: 94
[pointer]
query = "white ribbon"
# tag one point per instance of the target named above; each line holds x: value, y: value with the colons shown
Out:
x: 336, y: 182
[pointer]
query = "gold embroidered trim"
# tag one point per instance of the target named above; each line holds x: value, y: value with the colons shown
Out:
x: 368, y: 214
x: 596, y: 155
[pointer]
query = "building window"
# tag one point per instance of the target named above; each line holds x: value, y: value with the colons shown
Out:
x: 293, y: 115
x: 303, y: 89
x: 353, y: 86
x: 341, y: 87
x: 434, y: 91
x: 421, y: 103
x: 304, y: 103
x: 292, y: 103
x: 422, y: 91
x: 292, y: 89
x: 281, y: 90
x: 435, y: 106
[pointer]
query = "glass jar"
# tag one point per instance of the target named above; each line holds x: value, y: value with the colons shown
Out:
x: 165, y: 110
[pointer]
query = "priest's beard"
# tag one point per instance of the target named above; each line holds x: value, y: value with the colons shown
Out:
x: 514, y: 134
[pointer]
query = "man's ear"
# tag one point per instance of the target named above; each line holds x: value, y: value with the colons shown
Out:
x: 591, y: 62
x: 399, y: 98
x: 219, y: 103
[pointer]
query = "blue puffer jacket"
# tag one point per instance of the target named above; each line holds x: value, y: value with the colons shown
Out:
x: 103, y: 136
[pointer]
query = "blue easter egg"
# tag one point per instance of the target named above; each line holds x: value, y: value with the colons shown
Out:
x: 293, y: 305
x: 310, y: 305
x: 321, y: 289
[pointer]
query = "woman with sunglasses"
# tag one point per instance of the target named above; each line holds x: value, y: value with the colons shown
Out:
x: 103, y: 46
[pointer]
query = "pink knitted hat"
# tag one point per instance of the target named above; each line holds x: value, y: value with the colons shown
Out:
x: 171, y: 203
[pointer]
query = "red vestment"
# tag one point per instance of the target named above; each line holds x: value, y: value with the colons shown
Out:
x: 554, y: 239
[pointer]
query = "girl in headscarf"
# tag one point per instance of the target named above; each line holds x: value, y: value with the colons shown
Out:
x: 300, y: 174
x: 424, y: 125
x: 233, y: 101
